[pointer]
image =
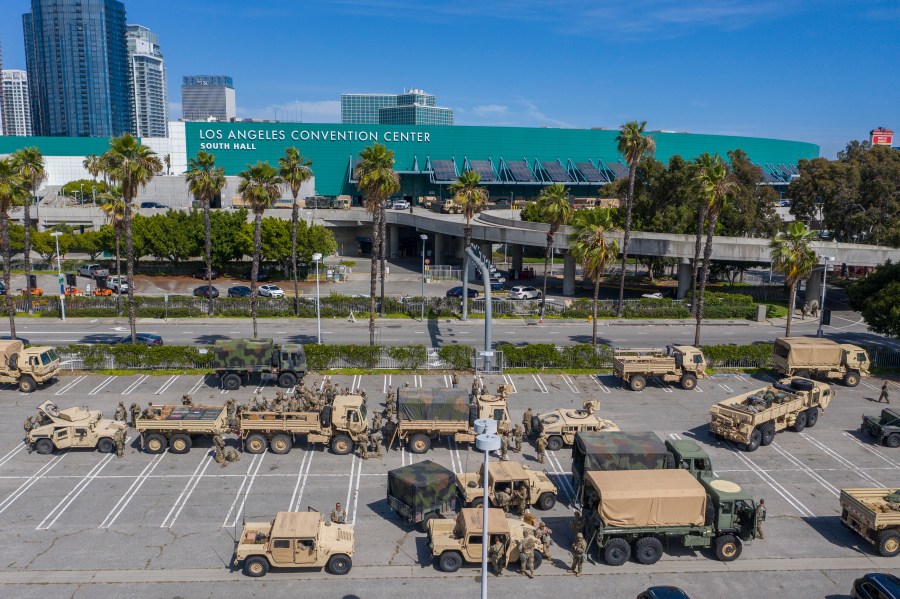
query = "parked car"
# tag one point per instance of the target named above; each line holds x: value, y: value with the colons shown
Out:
x: 201, y: 274
x: 458, y: 291
x: 497, y: 286
x: 142, y: 339
x: 239, y: 291
x: 152, y: 205
x: 206, y: 291
x: 271, y: 291
x: 655, y: 295
x: 498, y: 276
x: 522, y: 292
x: 400, y: 205
x: 2, y: 288
x: 261, y: 276
x: 663, y: 592
x: 115, y: 283
x: 876, y: 585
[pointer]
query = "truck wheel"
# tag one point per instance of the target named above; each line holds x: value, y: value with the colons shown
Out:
x: 281, y: 444
x: 255, y: 443
x: 688, y: 382
x: 555, y: 443
x: 106, y: 445
x: 339, y: 564
x: 231, y: 382
x: 44, y: 446
x: 341, y: 445
x: 851, y: 379
x: 287, y: 380
x: 893, y: 441
x: 889, y: 543
x: 728, y: 548
x: 755, y: 440
x: 27, y: 384
x: 768, y: 433
x: 546, y: 501
x: 423, y: 525
x: 637, y: 383
x: 180, y: 443
x: 648, y: 550
x: 155, y: 443
x: 256, y: 566
x: 538, y: 560
x: 477, y: 502
x: 800, y: 422
x: 420, y: 443
x: 450, y: 561
x: 617, y: 552
x: 812, y: 416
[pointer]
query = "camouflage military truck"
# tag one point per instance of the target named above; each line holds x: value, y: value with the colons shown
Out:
x: 294, y: 540
x: 426, y: 414
x: 632, y: 511
x: 561, y: 425
x: 886, y: 428
x: 422, y: 491
x: 453, y: 542
x: 236, y: 359
x: 73, y: 428
x: 820, y: 358
x: 752, y: 419
x: 873, y: 514
x: 507, y: 477
x: 176, y: 427
x: 683, y: 364
x: 29, y: 367
x: 339, y: 424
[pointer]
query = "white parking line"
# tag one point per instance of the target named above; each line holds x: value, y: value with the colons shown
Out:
x: 740, y: 378
x: 775, y: 485
x: 128, y: 390
x: 350, y: 486
x: 123, y: 502
x: 804, y: 468
x: 302, y: 477
x: 454, y: 455
x: 662, y: 385
x: 197, y: 385
x: 69, y: 386
x: 562, y: 476
x: 322, y: 384
x: 12, y: 453
x: 357, y: 381
x: 100, y: 387
x: 509, y: 381
x: 244, y: 489
x: 165, y: 386
x: 387, y: 383
x: 188, y: 490
x: 865, y: 384
x: 63, y: 505
x: 540, y: 383
x: 604, y: 388
x: 448, y: 382
x: 570, y: 383
x: 12, y: 497
x: 873, y: 451
x: 726, y: 387
x: 859, y: 471
x: 355, y: 492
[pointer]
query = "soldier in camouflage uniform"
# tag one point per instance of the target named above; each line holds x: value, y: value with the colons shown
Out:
x: 577, y: 523
x: 517, y: 439
x: 526, y: 422
x: 187, y: 400
x: 376, y: 422
x: 135, y: 413
x: 338, y: 515
x: 543, y: 534
x: 503, y: 391
x: 502, y: 499
x: 219, y: 442
x: 526, y: 554
x: 541, y: 446
x: 225, y: 456
x: 29, y: 425
x: 579, y: 548
x: 504, y: 447
x: 497, y: 555
x: 520, y: 496
x: 121, y: 414
x: 230, y: 411
x: 376, y: 442
x: 476, y: 388
x: 364, y: 445
x: 760, y: 516
x: 119, y: 439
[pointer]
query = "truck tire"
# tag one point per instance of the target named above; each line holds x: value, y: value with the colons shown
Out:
x: 617, y: 552
x: 231, y: 382
x: 728, y: 548
x: 281, y: 444
x: 44, y: 446
x: 422, y: 526
x: 648, y: 550
x: 180, y: 443
x: 449, y: 562
x: 341, y: 445
x: 555, y: 443
x: 637, y: 383
x: 546, y: 501
x: 106, y: 445
x: 888, y: 543
x: 851, y: 379
x: 812, y: 416
x: 339, y: 564
x: 893, y: 441
x: 688, y: 382
x: 755, y: 440
x: 155, y: 443
x: 419, y: 443
x: 256, y: 566
x: 802, y: 384
x: 255, y: 443
x: 477, y: 502
x: 287, y: 380
x: 768, y: 433
x: 538, y: 560
x: 799, y: 422
x: 27, y: 384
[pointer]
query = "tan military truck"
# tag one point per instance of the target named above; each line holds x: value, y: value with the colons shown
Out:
x: 339, y: 424
x: 175, y: 427
x: 683, y: 364
x: 561, y: 425
x: 453, y: 542
x: 820, y: 358
x: 294, y: 540
x: 29, y: 367
x: 752, y: 419
x: 507, y: 477
x: 873, y: 514
x: 342, y: 202
x: 73, y: 428
x: 426, y: 201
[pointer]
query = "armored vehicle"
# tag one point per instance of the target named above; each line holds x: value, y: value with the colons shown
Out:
x: 561, y: 425
x: 73, y: 428
x: 507, y: 477
x: 236, y: 359
x: 820, y: 358
x: 27, y: 368
x: 453, y: 542
x: 294, y: 540
x: 886, y: 428
x: 175, y: 427
x: 422, y: 491
x: 752, y: 419
x: 683, y: 364
x: 873, y: 514
x: 339, y: 424
x: 636, y: 510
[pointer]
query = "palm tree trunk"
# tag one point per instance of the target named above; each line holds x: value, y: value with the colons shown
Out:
x: 704, y: 276
x: 10, y: 304
x: 626, y: 236
x: 547, y: 252
x: 790, y: 314
x: 373, y: 275
x: 254, y: 270
x: 698, y: 242
x: 27, y: 223
x: 596, y: 299
x: 381, y: 257
x: 129, y: 269
x: 207, y: 249
x: 295, y: 216
x: 118, y: 235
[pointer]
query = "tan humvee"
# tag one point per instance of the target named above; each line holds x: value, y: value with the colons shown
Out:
x: 507, y: 477
x: 453, y: 542
x: 73, y: 428
x: 560, y: 426
x: 295, y: 540
x: 27, y: 367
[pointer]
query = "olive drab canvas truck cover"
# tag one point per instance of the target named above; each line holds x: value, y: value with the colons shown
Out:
x: 243, y: 353
x: 421, y: 488
x: 433, y: 404
x: 638, y: 498
x: 618, y: 451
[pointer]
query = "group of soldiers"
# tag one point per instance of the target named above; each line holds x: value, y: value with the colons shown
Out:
x: 529, y: 545
x: 32, y: 422
x: 809, y: 309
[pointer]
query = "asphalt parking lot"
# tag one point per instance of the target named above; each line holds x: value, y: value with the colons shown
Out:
x: 94, y: 525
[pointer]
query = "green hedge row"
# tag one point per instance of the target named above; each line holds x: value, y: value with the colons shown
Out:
x: 138, y: 356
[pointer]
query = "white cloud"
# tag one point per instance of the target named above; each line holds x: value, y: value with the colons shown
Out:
x: 324, y: 111
x: 521, y: 112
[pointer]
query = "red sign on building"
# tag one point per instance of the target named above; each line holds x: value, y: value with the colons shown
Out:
x: 881, y: 137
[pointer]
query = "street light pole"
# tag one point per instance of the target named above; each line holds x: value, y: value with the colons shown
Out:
x: 62, y: 290
x: 316, y: 257
x: 487, y: 441
x: 424, y: 238
x: 825, y: 260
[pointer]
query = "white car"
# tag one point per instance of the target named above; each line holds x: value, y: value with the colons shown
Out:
x: 119, y: 285
x: 520, y: 292
x: 656, y: 295
x: 271, y: 291
x: 400, y: 205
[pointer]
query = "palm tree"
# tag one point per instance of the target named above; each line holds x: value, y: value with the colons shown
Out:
x: 167, y: 160
x: 114, y: 208
x: 633, y: 145
x: 294, y: 169
x: 700, y: 164
x: 30, y: 163
x: 792, y: 256
x: 92, y: 165
x: 132, y: 166
x: 206, y: 181
x: 259, y: 189
x: 12, y: 193
x: 554, y: 207
x: 590, y: 246
x: 377, y: 180
x: 716, y: 187
x: 471, y: 197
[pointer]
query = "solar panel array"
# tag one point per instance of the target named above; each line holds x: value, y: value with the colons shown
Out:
x: 444, y: 170
x: 619, y: 170
x: 556, y: 172
x: 520, y: 171
x: 590, y: 172
x: 484, y: 169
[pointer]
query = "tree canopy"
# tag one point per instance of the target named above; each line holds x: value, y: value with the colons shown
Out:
x: 877, y: 297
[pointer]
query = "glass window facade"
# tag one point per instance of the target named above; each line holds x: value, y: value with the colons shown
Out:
x: 414, y: 107
x: 205, y: 97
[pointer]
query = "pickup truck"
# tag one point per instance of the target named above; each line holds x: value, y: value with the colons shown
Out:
x: 92, y: 271
x: 115, y: 283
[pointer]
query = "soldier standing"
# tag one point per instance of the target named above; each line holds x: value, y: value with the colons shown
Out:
x: 517, y: 438
x: 230, y: 409
x: 119, y: 439
x: 121, y: 414
x: 884, y: 394
x: 526, y: 554
x: 187, y: 400
x: 504, y: 447
x: 135, y: 413
x: 376, y: 443
x: 338, y: 515
x: 577, y: 523
x: 496, y: 554
x: 503, y: 391
x: 376, y: 422
x: 526, y: 422
x: 455, y: 380
x: 521, y: 498
x: 544, y: 536
x: 363, y: 445
x: 760, y: 516
x: 541, y: 445
x: 579, y: 548
x: 29, y: 425
x: 475, y: 388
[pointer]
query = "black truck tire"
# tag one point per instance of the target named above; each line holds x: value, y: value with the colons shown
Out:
x: 255, y: 443
x: 851, y: 379
x: 812, y: 416
x: 648, y: 550
x: 341, y: 445
x: 339, y: 564
x: 768, y: 433
x: 231, y: 382
x: 616, y: 552
x: 419, y: 443
x: 637, y: 383
x: 281, y: 444
x: 155, y: 443
x: 755, y: 440
x: 44, y: 446
x: 893, y: 441
x: 27, y: 384
x: 287, y: 380
x: 256, y: 566
x: 888, y: 543
x: 450, y: 562
x: 688, y: 382
x: 180, y: 443
x: 800, y: 422
x: 546, y: 501
x: 106, y: 445
x: 555, y: 443
x: 728, y: 548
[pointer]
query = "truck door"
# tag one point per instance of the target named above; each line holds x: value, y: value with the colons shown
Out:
x: 62, y: 438
x: 282, y: 551
x: 305, y: 551
x: 80, y: 436
x: 473, y: 547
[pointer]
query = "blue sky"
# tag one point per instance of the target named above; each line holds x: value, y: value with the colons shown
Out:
x: 822, y: 71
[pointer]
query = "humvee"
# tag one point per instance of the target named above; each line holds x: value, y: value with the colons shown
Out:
x: 294, y: 540
x: 561, y: 425
x: 453, y: 542
x: 73, y: 428
x: 27, y: 367
x: 507, y: 476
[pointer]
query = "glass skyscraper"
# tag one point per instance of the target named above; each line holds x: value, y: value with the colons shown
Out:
x: 79, y: 75
x: 208, y: 97
x: 148, y: 75
x: 414, y: 107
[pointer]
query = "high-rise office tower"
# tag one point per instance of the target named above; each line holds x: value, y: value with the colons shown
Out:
x: 148, y: 76
x: 1, y: 89
x: 78, y: 71
x: 413, y: 107
x: 207, y: 97
x: 15, y: 105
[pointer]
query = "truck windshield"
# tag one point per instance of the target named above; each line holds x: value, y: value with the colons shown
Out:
x: 46, y: 358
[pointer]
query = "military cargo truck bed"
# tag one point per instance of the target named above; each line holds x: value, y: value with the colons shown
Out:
x: 174, y: 426
x: 869, y: 514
